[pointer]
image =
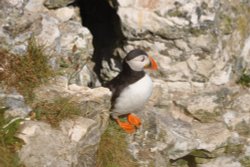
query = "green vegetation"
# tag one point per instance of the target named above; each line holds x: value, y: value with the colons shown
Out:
x: 226, y: 24
x: 9, y: 144
x: 196, y: 31
x: 245, y: 162
x: 238, y: 151
x: 54, y: 112
x: 234, y: 149
x: 244, y: 79
x: 177, y: 13
x: 25, y: 72
x: 112, y: 151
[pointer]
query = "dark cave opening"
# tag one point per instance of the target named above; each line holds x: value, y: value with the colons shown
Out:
x: 105, y: 26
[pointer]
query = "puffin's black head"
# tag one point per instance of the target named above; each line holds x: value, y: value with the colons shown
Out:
x: 137, y: 60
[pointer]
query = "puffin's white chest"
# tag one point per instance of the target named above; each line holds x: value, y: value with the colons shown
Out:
x: 134, y: 96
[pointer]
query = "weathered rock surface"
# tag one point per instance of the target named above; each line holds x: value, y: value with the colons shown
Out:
x: 202, y: 48
x: 223, y: 161
x: 14, y: 103
x: 191, y: 39
x: 197, y: 115
x: 75, y: 141
x: 183, y: 132
x: 59, y: 30
x: 53, y: 4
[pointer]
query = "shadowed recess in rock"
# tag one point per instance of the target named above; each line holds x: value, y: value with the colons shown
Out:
x: 104, y: 24
x: 189, y: 160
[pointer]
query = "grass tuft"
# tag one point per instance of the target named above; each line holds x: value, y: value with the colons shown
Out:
x: 112, y: 151
x: 54, y: 112
x: 9, y: 144
x: 244, y: 79
x: 25, y: 72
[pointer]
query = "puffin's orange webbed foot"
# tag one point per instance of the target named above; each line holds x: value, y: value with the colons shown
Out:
x: 126, y: 126
x: 134, y: 120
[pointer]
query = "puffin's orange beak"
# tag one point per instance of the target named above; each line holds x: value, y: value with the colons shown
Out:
x: 152, y: 65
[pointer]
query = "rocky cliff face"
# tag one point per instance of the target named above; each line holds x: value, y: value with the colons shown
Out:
x: 202, y: 48
x: 197, y: 117
x: 75, y: 141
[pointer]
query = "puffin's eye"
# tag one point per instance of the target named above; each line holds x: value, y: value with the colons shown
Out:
x: 143, y: 58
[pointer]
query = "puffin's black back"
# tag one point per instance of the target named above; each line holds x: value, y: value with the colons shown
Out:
x: 124, y: 79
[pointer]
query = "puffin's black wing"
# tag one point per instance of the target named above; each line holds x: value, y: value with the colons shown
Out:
x: 123, y: 80
x: 116, y: 86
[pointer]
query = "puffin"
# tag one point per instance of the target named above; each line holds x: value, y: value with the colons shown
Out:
x: 131, y: 89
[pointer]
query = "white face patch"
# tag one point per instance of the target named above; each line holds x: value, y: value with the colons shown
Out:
x: 138, y: 63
